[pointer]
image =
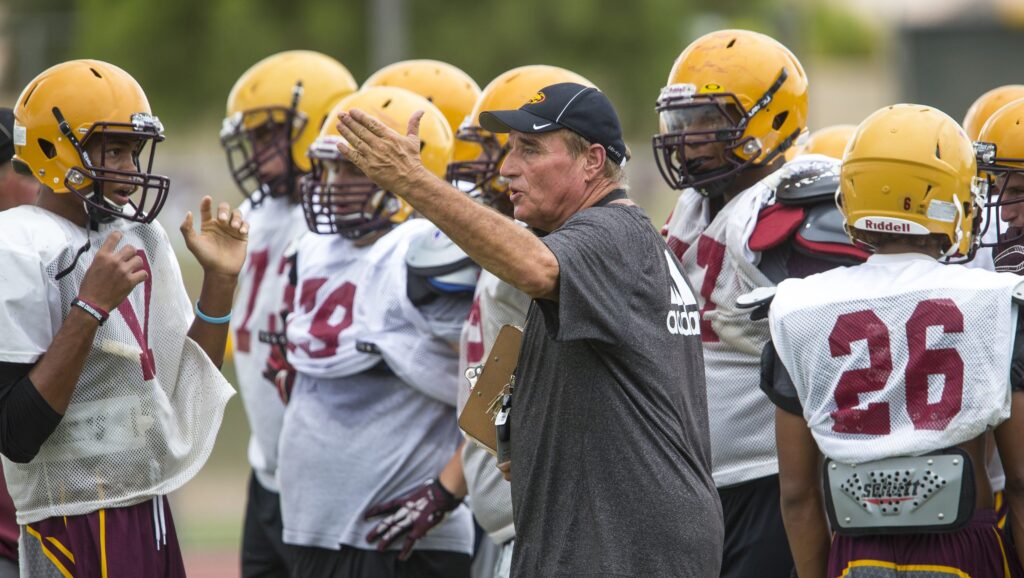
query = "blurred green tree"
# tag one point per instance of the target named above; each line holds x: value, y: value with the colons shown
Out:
x: 188, y: 53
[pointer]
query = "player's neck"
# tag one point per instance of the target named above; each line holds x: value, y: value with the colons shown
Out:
x: 749, y: 178
x: 897, y: 247
x: 65, y: 205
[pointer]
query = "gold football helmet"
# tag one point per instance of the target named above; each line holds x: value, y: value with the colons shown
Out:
x: 987, y: 104
x: 64, y: 110
x: 910, y: 170
x: 739, y: 88
x: 1000, y: 150
x: 509, y: 90
x: 337, y: 197
x: 451, y: 90
x: 830, y: 141
x: 274, y: 112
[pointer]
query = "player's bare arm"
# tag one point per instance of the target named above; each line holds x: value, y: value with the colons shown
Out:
x: 1008, y: 436
x: 220, y: 249
x: 109, y: 280
x: 512, y: 253
x: 803, y: 505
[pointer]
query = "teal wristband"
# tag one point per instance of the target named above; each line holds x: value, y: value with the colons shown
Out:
x: 211, y: 320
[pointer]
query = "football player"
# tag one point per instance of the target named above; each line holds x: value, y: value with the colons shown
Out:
x: 112, y: 395
x: 873, y: 363
x: 274, y: 112
x: 1001, y: 157
x: 371, y: 417
x: 735, y: 102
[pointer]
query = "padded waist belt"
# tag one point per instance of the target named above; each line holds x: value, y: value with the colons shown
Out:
x: 904, y: 495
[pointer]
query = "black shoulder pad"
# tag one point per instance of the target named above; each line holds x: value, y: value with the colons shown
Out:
x: 816, y: 183
x: 824, y: 224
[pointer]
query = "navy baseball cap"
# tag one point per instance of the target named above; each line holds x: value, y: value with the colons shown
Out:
x: 584, y: 110
x: 6, y: 138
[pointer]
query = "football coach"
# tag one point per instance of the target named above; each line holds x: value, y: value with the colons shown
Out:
x: 611, y: 456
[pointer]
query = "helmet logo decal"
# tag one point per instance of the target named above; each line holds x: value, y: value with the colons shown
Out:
x: 537, y: 98
x: 711, y: 87
x: 890, y: 225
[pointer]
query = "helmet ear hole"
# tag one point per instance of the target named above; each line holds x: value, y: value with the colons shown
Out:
x: 21, y: 168
x: 47, y: 147
x: 779, y: 120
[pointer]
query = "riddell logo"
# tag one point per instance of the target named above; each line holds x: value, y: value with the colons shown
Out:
x: 684, y: 318
x: 886, y: 226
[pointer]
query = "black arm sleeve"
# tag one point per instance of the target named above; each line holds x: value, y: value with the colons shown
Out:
x: 776, y: 383
x: 26, y: 420
x: 1017, y: 361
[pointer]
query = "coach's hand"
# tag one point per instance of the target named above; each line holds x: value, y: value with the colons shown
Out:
x: 220, y: 244
x: 416, y: 513
x: 389, y: 159
x: 112, y: 274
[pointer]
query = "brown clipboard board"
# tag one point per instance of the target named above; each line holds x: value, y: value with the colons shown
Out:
x: 477, y: 418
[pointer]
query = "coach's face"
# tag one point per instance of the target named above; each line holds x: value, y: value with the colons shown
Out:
x: 546, y: 184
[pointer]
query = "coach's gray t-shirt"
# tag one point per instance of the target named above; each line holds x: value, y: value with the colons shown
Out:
x: 611, y: 454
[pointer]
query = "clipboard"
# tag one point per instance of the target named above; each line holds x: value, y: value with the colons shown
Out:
x: 492, y: 382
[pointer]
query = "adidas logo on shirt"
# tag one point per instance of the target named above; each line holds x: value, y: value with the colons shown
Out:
x: 684, y: 318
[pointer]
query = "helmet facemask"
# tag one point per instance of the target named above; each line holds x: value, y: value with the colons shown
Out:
x: 255, y: 139
x: 999, y: 173
x: 688, y: 119
x: 337, y: 198
x: 92, y: 179
x: 480, y: 178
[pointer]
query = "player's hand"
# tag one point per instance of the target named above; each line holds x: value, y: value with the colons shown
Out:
x: 280, y: 373
x: 113, y: 274
x: 220, y: 244
x: 506, y: 470
x: 416, y: 513
x: 389, y: 159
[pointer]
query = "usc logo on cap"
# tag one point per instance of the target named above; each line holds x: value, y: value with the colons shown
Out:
x: 539, y: 97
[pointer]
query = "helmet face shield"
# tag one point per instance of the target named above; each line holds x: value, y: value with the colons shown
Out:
x: 258, y: 144
x: 337, y: 198
x: 113, y: 140
x: 479, y: 178
x: 699, y: 138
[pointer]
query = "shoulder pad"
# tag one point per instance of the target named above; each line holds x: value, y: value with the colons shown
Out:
x: 809, y: 183
x: 1018, y: 294
x: 437, y: 266
x: 775, y: 225
x: 758, y: 301
x: 823, y: 234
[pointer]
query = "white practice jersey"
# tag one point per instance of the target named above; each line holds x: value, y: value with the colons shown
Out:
x: 263, y: 292
x: 148, y: 404
x: 880, y: 354
x: 351, y: 311
x: 495, y: 304
x: 719, y: 264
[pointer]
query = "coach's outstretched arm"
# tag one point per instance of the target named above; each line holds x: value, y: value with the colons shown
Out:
x: 512, y: 253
